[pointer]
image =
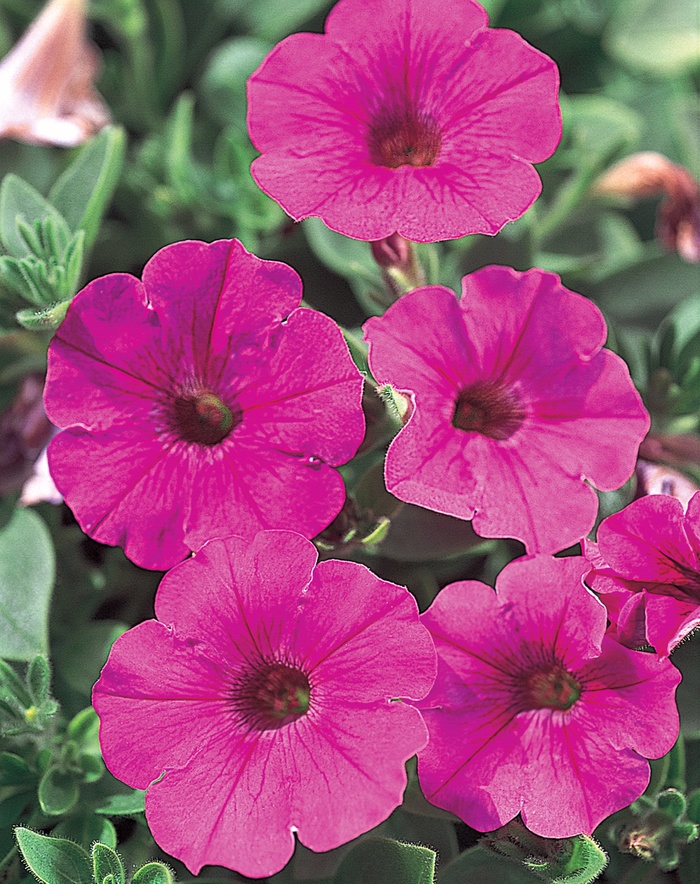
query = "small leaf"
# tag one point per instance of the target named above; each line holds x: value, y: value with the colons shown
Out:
x: 39, y: 679
x: 14, y: 770
x: 124, y: 805
x: 84, y: 190
x: 27, y: 570
x: 48, y: 319
x: 58, y: 792
x: 20, y: 201
x: 54, y: 860
x: 153, y: 873
x: 106, y: 862
x: 383, y: 861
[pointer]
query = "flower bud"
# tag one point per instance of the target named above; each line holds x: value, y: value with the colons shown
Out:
x: 46, y: 81
x: 649, y: 174
x: 401, y: 269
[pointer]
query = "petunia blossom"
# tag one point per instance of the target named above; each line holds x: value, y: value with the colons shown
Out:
x: 47, y: 93
x: 535, y: 711
x: 199, y: 402
x: 406, y: 115
x: 516, y: 405
x: 647, y: 570
x: 263, y: 702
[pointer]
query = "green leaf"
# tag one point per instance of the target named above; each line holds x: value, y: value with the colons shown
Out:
x: 274, y: 19
x: 598, y: 126
x: 85, y: 828
x: 58, y: 792
x: 382, y: 861
x: 48, y: 319
x: 20, y: 201
x: 485, y: 867
x: 655, y: 38
x: 14, y: 770
x: 106, y: 862
x: 27, y: 571
x: 153, y: 873
x: 54, y: 860
x: 350, y: 258
x: 39, y: 679
x: 124, y: 805
x: 84, y: 191
x: 223, y: 83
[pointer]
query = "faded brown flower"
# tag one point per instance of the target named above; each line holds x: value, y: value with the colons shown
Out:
x: 47, y: 94
x: 650, y: 174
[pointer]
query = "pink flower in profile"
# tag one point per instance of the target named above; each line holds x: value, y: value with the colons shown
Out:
x: 647, y: 569
x: 262, y: 702
x: 47, y: 94
x: 198, y: 402
x: 516, y: 404
x: 406, y: 115
x: 534, y: 710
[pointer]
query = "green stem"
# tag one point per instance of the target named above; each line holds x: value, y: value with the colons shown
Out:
x: 675, y: 778
x: 567, y: 201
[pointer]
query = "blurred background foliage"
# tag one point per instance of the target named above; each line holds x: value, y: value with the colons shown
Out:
x: 174, y: 166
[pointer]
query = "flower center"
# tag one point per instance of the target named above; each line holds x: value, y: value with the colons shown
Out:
x: 203, y: 418
x: 553, y: 688
x: 403, y: 138
x: 488, y: 409
x: 272, y: 695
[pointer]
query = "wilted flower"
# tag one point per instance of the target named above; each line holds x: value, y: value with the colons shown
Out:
x: 647, y: 570
x: 24, y: 432
x: 406, y: 115
x: 200, y: 401
x: 651, y: 174
x: 46, y: 81
x: 534, y: 710
x: 262, y: 702
x: 516, y: 405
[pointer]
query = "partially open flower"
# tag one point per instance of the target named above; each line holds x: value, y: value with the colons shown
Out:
x: 650, y: 174
x: 46, y: 81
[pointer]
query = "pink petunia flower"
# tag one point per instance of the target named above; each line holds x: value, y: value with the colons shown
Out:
x: 516, y: 404
x: 647, y: 569
x: 200, y: 402
x: 534, y: 710
x: 263, y: 702
x: 47, y: 93
x: 406, y: 115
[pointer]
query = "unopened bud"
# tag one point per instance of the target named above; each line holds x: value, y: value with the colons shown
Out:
x: 650, y: 174
x: 401, y: 269
x: 47, y: 94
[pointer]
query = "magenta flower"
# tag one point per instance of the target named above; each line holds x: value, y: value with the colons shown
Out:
x: 263, y: 703
x: 647, y: 569
x: 408, y: 116
x: 535, y: 711
x: 516, y: 404
x: 199, y: 402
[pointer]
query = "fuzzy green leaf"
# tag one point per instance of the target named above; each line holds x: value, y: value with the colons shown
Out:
x: 153, y: 873
x: 105, y: 862
x: 54, y: 860
x: 383, y: 861
x: 27, y: 570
